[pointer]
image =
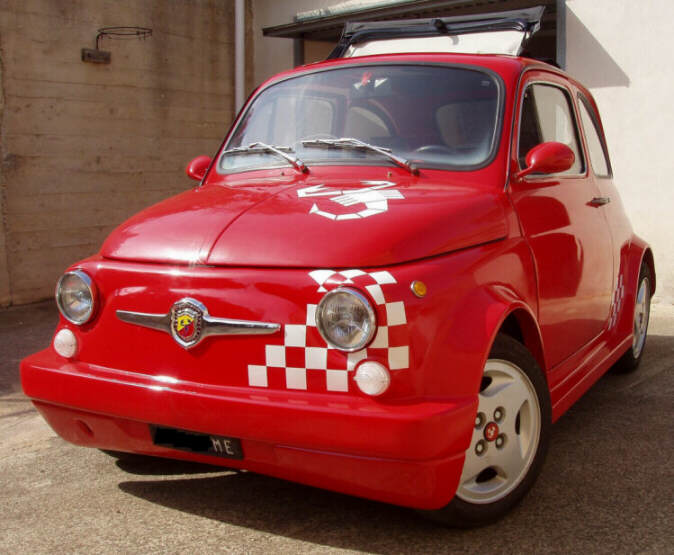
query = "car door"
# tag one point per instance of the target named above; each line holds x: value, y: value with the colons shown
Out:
x: 610, y: 202
x: 568, y: 237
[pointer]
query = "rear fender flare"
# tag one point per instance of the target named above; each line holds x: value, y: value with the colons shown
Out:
x: 638, y: 253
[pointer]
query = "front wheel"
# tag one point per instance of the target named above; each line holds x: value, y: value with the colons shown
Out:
x: 510, y: 438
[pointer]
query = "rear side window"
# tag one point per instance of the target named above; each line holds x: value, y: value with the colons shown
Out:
x: 547, y: 116
x: 595, y: 146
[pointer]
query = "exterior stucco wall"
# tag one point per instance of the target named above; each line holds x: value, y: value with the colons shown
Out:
x: 84, y: 146
x: 622, y: 52
x: 272, y: 54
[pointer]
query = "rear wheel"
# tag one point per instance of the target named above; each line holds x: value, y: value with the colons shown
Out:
x: 510, y: 438
x: 642, y: 310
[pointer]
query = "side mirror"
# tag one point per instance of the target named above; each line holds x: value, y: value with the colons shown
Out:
x: 197, y: 168
x: 548, y: 158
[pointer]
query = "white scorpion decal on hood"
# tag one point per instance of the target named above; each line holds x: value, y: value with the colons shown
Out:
x: 374, y: 197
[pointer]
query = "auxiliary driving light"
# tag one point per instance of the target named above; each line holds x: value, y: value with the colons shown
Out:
x: 65, y: 343
x: 372, y: 378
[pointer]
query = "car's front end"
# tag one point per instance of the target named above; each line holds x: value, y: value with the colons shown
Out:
x: 324, y: 322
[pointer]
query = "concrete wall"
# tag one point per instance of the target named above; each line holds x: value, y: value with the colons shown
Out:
x: 622, y: 51
x: 84, y: 146
x: 4, y: 271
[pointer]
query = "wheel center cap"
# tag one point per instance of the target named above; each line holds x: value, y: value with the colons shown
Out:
x: 491, y: 431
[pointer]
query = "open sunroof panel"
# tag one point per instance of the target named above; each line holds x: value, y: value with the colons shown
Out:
x: 492, y: 33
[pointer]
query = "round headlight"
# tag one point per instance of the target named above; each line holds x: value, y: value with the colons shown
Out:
x: 345, y: 319
x: 75, y: 297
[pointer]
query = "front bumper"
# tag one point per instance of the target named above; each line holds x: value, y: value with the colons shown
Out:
x: 407, y: 454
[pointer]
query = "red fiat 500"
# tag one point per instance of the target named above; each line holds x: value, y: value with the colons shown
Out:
x: 396, y: 273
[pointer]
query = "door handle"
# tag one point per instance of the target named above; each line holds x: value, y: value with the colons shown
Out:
x: 599, y: 201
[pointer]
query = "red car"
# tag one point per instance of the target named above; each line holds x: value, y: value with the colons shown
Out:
x: 397, y: 272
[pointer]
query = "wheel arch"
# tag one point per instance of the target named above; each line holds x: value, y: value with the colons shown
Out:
x: 636, y: 253
x: 647, y: 258
x: 521, y: 325
x: 515, y: 318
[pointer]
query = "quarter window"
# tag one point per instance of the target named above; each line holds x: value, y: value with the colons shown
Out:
x: 595, y: 145
x: 547, y: 116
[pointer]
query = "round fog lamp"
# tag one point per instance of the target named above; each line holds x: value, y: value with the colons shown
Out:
x: 65, y: 343
x: 372, y: 378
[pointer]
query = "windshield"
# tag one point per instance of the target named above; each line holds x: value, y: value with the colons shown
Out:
x: 431, y: 116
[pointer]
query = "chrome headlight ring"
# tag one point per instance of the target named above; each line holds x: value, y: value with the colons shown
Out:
x: 77, y: 284
x: 346, y: 320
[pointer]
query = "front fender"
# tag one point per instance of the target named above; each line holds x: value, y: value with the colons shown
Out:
x: 470, y: 295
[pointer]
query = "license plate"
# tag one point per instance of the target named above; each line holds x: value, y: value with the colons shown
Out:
x: 195, y: 442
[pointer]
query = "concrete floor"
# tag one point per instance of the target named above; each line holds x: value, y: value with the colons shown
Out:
x: 607, y: 486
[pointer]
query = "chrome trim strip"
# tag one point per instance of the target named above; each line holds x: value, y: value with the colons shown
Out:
x: 161, y: 322
x: 228, y: 326
x: 211, y: 325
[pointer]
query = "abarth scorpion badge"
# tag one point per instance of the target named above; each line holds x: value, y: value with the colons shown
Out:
x: 188, y: 322
x: 187, y: 316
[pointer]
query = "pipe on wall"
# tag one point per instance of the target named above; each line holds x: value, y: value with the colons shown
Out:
x: 239, y: 54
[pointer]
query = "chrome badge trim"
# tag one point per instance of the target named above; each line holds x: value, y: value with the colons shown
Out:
x: 188, y: 322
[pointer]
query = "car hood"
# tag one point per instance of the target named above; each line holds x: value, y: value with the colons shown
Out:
x: 312, y: 222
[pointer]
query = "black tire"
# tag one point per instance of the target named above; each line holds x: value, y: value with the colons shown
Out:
x: 464, y: 514
x: 629, y: 362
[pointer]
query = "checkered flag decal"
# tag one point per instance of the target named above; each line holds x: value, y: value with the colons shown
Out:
x: 305, y: 362
x: 616, y: 303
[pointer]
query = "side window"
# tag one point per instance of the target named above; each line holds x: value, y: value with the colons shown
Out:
x: 547, y: 116
x: 595, y: 146
x: 530, y: 134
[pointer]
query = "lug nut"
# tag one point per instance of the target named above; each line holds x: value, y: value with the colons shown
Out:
x: 498, y: 414
x: 500, y: 441
x: 480, y: 420
x: 480, y: 447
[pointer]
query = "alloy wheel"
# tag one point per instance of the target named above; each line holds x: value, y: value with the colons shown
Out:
x: 505, y: 436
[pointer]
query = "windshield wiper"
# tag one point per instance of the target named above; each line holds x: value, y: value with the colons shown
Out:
x: 257, y: 148
x: 361, y: 145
